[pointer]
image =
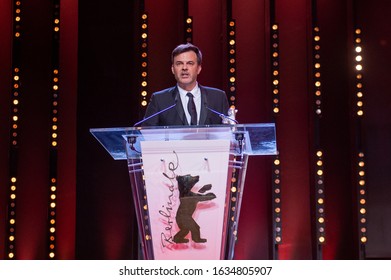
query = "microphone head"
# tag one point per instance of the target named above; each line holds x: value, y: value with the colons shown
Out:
x: 231, y: 119
x: 226, y: 119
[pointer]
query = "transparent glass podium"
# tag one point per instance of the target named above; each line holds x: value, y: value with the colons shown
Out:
x: 187, y: 184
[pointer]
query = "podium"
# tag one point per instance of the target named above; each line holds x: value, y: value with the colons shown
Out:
x: 187, y: 184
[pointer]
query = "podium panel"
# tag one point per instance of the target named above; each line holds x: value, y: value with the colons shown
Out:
x: 187, y: 184
x: 186, y: 190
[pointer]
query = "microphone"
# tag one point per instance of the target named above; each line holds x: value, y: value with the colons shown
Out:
x: 224, y: 117
x: 154, y: 115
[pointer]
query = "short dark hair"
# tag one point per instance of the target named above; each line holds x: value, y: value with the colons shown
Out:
x: 185, y: 48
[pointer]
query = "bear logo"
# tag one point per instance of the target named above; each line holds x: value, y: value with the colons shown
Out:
x: 188, y: 204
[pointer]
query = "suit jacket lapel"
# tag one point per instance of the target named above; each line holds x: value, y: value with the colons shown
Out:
x: 204, y: 104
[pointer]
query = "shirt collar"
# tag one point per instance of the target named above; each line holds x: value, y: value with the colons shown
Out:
x: 196, y: 91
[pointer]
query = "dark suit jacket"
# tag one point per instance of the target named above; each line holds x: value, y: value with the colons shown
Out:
x: 212, y: 98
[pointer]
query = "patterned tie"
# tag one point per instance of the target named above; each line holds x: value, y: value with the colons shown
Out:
x: 192, y: 109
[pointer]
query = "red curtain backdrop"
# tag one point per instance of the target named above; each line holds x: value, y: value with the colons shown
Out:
x: 99, y: 87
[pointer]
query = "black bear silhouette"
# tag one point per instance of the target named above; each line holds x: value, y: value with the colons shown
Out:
x: 188, y: 204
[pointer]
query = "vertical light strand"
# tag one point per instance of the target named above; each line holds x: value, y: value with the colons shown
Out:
x: 233, y: 203
x: 14, y: 130
x: 318, y: 154
x: 275, y: 69
x: 232, y: 63
x: 276, y: 165
x: 188, y: 23
x: 231, y: 57
x: 276, y: 196
x: 276, y: 202
x: 317, y: 72
x: 320, y: 200
x: 189, y: 29
x: 360, y: 159
x: 362, y: 201
x: 237, y: 171
x: 147, y: 230
x: 54, y: 136
x: 235, y: 160
x: 144, y: 59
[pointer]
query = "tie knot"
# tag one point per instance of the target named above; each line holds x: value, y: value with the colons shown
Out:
x: 190, y: 95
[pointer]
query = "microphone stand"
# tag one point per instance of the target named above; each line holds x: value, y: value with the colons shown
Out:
x: 154, y: 115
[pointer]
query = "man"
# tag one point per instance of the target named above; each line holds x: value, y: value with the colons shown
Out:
x: 176, y: 105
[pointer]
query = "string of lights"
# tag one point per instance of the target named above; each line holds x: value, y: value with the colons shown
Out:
x: 232, y: 62
x: 53, y: 149
x: 188, y: 23
x: 276, y: 164
x: 275, y: 68
x: 144, y: 59
x: 276, y: 201
x: 236, y: 162
x: 14, y: 138
x: 318, y: 153
x: 360, y: 158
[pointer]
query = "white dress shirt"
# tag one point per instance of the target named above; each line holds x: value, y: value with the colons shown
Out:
x: 185, y: 99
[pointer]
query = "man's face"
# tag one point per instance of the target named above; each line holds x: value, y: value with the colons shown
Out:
x: 186, y: 69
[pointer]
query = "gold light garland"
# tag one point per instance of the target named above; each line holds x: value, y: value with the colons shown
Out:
x: 14, y: 139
